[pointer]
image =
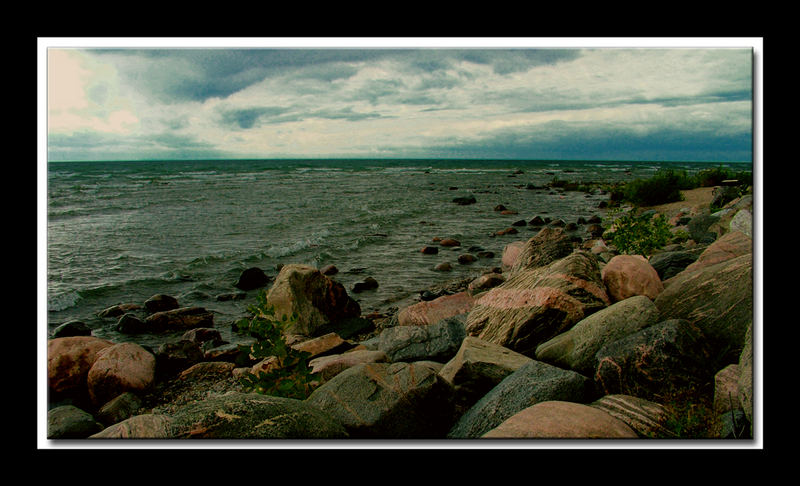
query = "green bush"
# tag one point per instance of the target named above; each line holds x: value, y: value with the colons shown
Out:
x: 291, y: 377
x: 664, y: 187
x: 715, y: 176
x: 638, y: 235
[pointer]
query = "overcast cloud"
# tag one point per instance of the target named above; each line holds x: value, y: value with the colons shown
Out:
x: 587, y: 103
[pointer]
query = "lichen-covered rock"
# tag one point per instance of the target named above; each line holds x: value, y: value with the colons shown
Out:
x: 238, y: 415
x: 629, y: 275
x: 388, y: 401
x: 561, y: 420
x: 531, y: 383
x: 535, y: 305
x: 655, y: 362
x: 120, y: 368
x: 576, y: 348
x: 317, y: 300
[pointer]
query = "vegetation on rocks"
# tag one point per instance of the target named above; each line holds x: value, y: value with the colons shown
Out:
x: 290, y: 377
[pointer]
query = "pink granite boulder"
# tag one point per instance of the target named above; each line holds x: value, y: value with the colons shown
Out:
x: 629, y: 275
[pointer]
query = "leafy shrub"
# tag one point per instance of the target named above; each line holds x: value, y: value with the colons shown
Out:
x: 664, y: 187
x: 715, y: 176
x: 638, y: 235
x: 291, y: 376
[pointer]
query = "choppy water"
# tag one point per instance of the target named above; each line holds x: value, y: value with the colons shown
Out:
x: 121, y: 232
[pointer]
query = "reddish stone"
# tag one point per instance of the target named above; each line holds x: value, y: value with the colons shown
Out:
x: 69, y: 360
x: 630, y: 275
x: 431, y: 312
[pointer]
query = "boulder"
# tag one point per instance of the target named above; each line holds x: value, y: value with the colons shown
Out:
x: 429, y: 250
x: 434, y: 342
x: 388, y: 401
x: 122, y: 407
x: 533, y: 306
x: 329, y: 270
x: 549, y: 245
x: 647, y: 418
x: 511, y: 253
x: 181, y: 319
x: 465, y: 200
x: 251, y: 279
x: 330, y: 343
x: 561, y: 420
x: 326, y: 367
x: 667, y: 264
x: 368, y: 283
x: 174, y: 357
x: 628, y: 275
x: 531, y: 383
x: 203, y: 335
x: 449, y: 242
x: 745, y: 382
x: 699, y: 225
x: 728, y: 246
x: 160, y: 302
x: 145, y: 426
x: 432, y: 311
x: 477, y: 367
x: 718, y: 299
x: 72, y: 328
x: 726, y: 389
x: 120, y: 368
x: 69, y: 360
x: 70, y: 422
x: 485, y: 282
x: 656, y: 362
x: 316, y: 299
x: 742, y: 222
x: 129, y: 323
x: 576, y: 348
x: 443, y: 267
x: 466, y: 258
x: 118, y: 310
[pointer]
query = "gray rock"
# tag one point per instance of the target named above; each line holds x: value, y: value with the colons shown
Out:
x: 435, y: 342
x: 576, y: 348
x: 670, y: 263
x: 532, y: 383
x: 120, y: 408
x: 238, y: 415
x: 389, y: 401
x: 70, y: 422
x: 72, y: 328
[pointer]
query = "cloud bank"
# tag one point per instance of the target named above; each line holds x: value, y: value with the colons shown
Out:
x: 517, y: 103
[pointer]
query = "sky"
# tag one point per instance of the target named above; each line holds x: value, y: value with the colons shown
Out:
x: 578, y: 99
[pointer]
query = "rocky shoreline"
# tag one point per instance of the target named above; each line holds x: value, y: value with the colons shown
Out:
x: 567, y: 339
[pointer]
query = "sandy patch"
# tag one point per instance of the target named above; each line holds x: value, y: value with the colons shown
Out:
x: 695, y: 199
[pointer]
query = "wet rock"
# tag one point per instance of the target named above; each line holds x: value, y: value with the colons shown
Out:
x: 251, y: 279
x: 160, y: 302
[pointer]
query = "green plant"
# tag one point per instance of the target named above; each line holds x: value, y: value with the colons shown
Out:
x: 663, y: 187
x: 638, y: 234
x: 289, y: 375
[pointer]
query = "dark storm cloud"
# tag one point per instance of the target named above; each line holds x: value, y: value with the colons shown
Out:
x: 195, y: 74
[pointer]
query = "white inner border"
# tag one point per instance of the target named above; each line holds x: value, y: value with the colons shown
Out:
x: 756, y: 43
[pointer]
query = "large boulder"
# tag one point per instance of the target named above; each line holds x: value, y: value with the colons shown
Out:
x: 240, y: 416
x: 669, y: 263
x: 745, y: 382
x: 120, y: 368
x: 549, y: 245
x: 160, y: 303
x: 728, y: 246
x: 432, y: 311
x: 388, y: 401
x: 576, y: 348
x: 561, y: 420
x: 535, y: 305
x: 434, y: 342
x: 69, y: 360
x: 718, y: 299
x: 628, y: 275
x: 477, y: 367
x: 326, y: 367
x: 531, y: 383
x: 317, y: 300
x: 656, y: 362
